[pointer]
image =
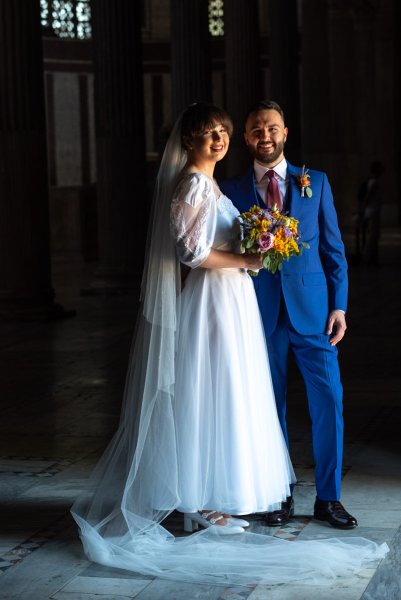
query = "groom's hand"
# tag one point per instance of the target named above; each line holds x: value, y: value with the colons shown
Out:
x: 336, y: 326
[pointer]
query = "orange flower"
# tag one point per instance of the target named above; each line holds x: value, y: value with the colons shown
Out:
x: 304, y: 183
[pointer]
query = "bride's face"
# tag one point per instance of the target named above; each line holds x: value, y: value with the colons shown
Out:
x: 211, y: 145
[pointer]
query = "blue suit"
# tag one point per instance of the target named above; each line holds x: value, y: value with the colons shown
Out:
x: 295, y: 304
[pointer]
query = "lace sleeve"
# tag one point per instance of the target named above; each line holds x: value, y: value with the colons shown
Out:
x: 193, y: 219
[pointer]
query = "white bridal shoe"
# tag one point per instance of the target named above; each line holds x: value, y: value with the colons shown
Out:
x: 192, y: 520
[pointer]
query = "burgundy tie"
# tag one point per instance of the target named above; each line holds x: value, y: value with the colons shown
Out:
x: 273, y: 195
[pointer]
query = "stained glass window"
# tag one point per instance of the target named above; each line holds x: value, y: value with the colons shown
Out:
x: 216, y: 17
x: 67, y: 18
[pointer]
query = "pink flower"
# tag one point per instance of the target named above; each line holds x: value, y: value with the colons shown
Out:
x: 265, y: 241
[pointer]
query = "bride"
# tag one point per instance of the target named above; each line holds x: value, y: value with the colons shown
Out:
x: 199, y: 431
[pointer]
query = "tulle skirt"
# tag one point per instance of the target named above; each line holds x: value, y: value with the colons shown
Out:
x: 231, y: 451
x: 244, y: 559
x: 207, y: 438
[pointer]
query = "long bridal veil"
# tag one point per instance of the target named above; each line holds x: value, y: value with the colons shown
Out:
x: 134, y: 486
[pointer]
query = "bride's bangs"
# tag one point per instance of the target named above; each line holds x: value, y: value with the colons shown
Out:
x: 217, y: 117
x: 198, y: 118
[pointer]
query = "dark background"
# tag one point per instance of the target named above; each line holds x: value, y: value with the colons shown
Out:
x: 87, y: 100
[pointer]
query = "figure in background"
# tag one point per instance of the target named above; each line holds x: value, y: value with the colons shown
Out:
x: 368, y: 218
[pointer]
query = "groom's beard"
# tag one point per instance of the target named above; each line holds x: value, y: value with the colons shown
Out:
x: 271, y: 157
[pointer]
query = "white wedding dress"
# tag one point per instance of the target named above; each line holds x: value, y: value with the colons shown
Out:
x: 198, y: 426
x: 231, y: 452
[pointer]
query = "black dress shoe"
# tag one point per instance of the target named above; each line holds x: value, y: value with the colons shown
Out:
x: 334, y: 513
x: 280, y: 517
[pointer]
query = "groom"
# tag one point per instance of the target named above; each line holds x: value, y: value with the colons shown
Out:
x: 302, y: 306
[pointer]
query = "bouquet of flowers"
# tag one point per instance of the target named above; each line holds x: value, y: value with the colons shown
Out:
x: 271, y: 234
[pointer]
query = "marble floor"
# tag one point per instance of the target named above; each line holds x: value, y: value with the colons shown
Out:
x: 61, y: 387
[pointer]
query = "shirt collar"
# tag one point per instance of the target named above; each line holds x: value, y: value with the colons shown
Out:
x: 280, y: 169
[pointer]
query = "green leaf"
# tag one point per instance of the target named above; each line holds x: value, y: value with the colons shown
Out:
x: 266, y: 262
x: 308, y: 192
x: 306, y: 245
x: 249, y: 244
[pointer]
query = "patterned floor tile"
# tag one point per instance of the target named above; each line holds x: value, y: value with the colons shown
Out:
x: 103, y: 587
x: 24, y: 549
x: 236, y: 593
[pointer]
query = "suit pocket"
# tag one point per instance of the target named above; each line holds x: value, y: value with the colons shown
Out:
x: 310, y: 279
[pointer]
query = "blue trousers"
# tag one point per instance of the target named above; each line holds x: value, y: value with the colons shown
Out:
x: 318, y: 364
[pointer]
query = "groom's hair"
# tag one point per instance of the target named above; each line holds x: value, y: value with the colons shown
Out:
x: 265, y: 105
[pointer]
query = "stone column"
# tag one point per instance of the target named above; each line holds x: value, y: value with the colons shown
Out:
x: 343, y: 174
x: 284, y: 69
x: 365, y: 84
x: 315, y: 86
x: 123, y: 201
x: 397, y: 102
x: 25, y: 277
x: 190, y: 53
x: 385, y: 120
x: 243, y: 73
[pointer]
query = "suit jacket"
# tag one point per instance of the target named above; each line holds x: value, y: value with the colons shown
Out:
x: 314, y: 283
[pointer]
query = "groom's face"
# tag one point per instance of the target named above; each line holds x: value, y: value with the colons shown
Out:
x: 265, y: 135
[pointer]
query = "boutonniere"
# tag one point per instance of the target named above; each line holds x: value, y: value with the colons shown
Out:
x: 304, y: 183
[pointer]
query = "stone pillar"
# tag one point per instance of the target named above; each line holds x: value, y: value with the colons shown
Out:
x: 243, y: 73
x: 386, y: 120
x: 397, y: 102
x: 343, y: 174
x: 284, y: 69
x: 123, y: 201
x: 315, y: 86
x: 190, y: 54
x: 25, y: 277
x: 365, y: 84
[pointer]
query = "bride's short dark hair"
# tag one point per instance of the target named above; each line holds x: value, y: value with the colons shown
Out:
x: 201, y: 116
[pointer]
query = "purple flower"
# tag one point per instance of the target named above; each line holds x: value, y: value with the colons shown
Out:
x: 265, y: 241
x: 287, y: 232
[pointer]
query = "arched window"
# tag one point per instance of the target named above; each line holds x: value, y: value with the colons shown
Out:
x: 67, y: 18
x: 216, y: 17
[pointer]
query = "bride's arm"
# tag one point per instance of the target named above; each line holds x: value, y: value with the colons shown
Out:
x: 217, y: 259
x: 193, y: 225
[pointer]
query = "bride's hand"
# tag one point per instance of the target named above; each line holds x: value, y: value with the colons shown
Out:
x: 253, y: 262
